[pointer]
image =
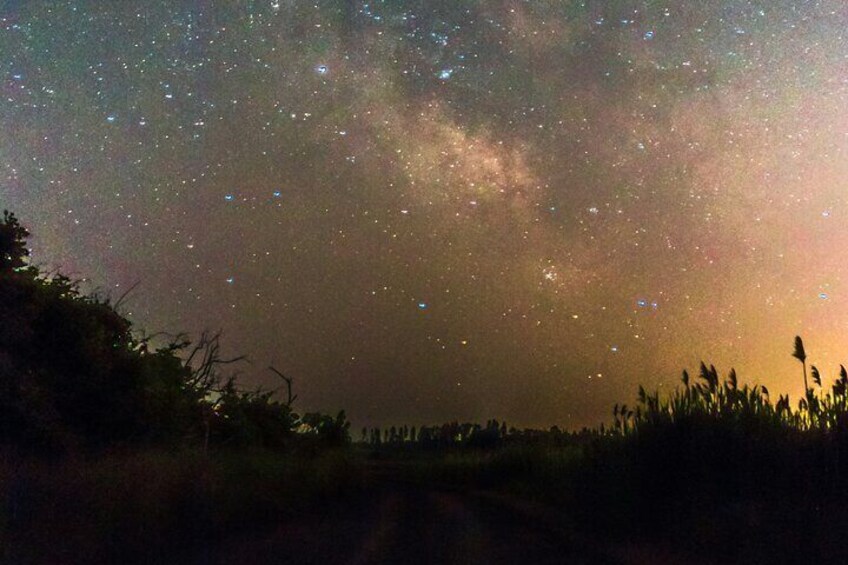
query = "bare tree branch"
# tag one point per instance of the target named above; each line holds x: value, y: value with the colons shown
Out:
x: 289, y: 398
x: 207, y: 353
x: 126, y: 293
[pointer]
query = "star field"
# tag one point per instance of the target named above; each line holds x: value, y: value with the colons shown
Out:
x: 446, y: 209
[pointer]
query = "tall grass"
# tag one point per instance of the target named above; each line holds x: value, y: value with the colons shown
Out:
x: 712, y: 399
x: 716, y: 467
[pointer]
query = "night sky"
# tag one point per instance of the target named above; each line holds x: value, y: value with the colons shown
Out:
x: 446, y: 209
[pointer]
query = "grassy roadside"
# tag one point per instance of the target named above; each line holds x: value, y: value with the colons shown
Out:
x: 716, y: 492
x: 149, y: 506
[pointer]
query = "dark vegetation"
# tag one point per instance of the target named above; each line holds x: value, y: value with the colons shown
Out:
x: 716, y: 469
x: 75, y: 376
x: 111, y: 448
x: 154, y: 452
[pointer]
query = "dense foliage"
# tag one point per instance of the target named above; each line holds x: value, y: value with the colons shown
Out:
x: 74, y: 374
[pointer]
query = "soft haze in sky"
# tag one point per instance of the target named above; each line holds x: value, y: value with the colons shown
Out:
x: 456, y: 209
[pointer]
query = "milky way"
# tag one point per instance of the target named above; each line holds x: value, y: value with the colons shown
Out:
x: 430, y: 210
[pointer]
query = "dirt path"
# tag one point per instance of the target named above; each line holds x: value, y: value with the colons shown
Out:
x: 401, y: 523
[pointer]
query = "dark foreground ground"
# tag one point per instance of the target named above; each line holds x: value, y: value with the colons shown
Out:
x: 408, y: 525
x: 405, y: 523
x: 374, y: 512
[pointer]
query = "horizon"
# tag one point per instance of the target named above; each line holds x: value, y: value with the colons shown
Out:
x: 467, y: 211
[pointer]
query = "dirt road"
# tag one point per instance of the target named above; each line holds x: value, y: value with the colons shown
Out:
x: 412, y: 525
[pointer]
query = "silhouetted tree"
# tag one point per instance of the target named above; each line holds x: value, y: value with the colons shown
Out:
x: 331, y: 431
x: 13, y: 251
